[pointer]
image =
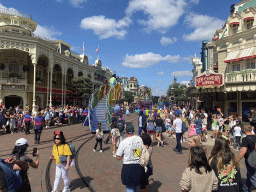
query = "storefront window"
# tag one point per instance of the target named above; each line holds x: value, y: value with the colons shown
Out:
x: 236, y: 67
x: 235, y: 28
x: 246, y: 110
x: 232, y: 107
x: 250, y: 65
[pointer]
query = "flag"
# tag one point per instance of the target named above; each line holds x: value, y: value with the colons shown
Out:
x: 83, y: 47
x: 97, y: 50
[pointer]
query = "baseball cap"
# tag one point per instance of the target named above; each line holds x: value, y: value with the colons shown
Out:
x: 21, y: 141
x: 129, y: 128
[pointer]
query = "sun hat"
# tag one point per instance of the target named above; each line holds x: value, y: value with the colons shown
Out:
x: 21, y: 141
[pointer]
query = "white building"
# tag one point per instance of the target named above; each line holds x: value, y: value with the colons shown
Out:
x: 34, y: 71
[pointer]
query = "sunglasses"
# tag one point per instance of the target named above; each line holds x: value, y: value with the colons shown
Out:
x: 57, y: 138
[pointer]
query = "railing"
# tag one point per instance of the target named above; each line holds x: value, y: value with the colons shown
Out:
x: 16, y: 13
x: 240, y: 76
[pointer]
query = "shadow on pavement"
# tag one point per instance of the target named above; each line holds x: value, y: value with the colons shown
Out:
x: 106, y: 149
x: 154, y: 186
x: 78, y: 183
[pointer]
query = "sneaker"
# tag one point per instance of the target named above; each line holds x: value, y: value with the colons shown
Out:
x: 179, y: 152
x: 11, y: 132
x: 180, y: 141
x: 206, y: 136
x: 94, y: 150
x: 66, y: 190
x: 114, y: 155
x: 175, y: 149
x: 100, y: 151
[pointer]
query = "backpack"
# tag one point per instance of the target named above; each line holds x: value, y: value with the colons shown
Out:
x: 120, y: 126
x: 184, y: 127
x: 73, y: 151
x: 116, y: 134
x: 144, y: 121
x: 13, y: 181
x: 151, y: 126
x: 252, y: 156
x: 144, y: 158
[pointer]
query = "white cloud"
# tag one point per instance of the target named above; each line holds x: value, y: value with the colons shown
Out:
x: 46, y: 32
x: 10, y: 9
x: 182, y: 73
x: 195, y: 1
x: 167, y: 41
x: 162, y: 14
x: 147, y: 60
x: 184, y: 82
x: 76, y: 3
x: 161, y: 73
x: 159, y: 92
x: 188, y: 59
x: 205, y: 26
x: 106, y: 28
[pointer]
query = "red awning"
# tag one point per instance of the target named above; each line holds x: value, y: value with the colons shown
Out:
x: 234, y: 23
x: 247, y: 18
x: 215, y: 66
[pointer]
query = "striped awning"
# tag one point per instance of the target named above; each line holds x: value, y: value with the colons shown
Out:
x: 247, y: 53
x: 232, y: 56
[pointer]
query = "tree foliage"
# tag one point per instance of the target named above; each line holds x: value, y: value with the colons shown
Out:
x: 155, y: 99
x: 179, y: 91
x: 83, y: 87
x: 128, y: 96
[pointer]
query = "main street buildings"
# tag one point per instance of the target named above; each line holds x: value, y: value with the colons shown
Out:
x: 226, y: 79
x: 34, y: 71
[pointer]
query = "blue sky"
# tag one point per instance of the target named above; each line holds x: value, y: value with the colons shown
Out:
x: 149, y: 39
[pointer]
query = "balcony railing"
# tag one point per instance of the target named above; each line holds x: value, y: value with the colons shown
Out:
x: 241, y: 76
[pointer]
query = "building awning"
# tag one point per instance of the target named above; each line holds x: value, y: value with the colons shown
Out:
x: 247, y: 18
x: 232, y: 56
x: 233, y: 23
x: 247, y: 53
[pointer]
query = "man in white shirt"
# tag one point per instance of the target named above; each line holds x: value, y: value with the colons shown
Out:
x: 177, y: 125
x: 130, y: 151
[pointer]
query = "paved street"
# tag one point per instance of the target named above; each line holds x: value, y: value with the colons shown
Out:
x: 101, y: 170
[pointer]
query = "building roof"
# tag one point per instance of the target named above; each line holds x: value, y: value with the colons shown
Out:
x: 132, y: 79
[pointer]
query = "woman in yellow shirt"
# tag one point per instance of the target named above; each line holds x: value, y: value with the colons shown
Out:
x: 61, y: 148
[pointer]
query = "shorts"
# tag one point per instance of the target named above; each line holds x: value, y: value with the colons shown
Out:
x: 215, y: 128
x: 168, y: 128
x: 151, y: 132
x: 198, y: 131
x: 159, y: 129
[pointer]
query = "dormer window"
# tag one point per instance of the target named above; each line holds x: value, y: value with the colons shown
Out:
x: 234, y: 27
x: 249, y: 23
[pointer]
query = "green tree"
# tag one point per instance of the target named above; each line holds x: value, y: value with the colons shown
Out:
x: 83, y: 87
x: 179, y: 91
x: 155, y: 99
x: 128, y: 96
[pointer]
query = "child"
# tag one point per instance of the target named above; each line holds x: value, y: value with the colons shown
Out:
x: 98, y: 137
x: 115, y: 134
x: 167, y: 124
x: 237, y: 135
x: 192, y: 130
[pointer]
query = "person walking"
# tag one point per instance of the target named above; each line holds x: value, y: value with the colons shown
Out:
x: 177, y: 125
x: 47, y: 118
x: 198, y: 176
x: 215, y: 126
x: 142, y: 123
x: 121, y: 125
x: 159, y: 129
x: 113, y: 121
x: 27, y: 121
x: 115, y: 134
x: 198, y: 123
x: 38, y: 127
x: 151, y: 127
x: 60, y: 149
x: 222, y: 160
x: 98, y: 137
x: 130, y: 151
x: 248, y: 145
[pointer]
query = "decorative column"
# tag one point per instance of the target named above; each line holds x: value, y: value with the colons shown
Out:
x: 62, y: 90
x: 48, y: 83
x: 51, y: 87
x: 65, y: 89
x: 34, y: 89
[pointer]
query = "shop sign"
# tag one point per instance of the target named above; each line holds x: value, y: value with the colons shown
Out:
x: 14, y: 87
x: 209, y: 81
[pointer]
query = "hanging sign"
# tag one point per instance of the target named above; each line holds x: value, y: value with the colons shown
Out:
x: 209, y: 80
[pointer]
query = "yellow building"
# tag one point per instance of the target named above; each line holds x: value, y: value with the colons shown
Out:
x: 35, y: 71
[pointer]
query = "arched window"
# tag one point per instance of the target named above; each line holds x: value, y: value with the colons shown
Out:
x: 80, y: 74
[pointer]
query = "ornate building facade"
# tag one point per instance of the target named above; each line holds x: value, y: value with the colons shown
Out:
x: 35, y: 71
x: 229, y: 81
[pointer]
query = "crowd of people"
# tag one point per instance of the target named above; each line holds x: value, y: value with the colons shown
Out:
x: 16, y: 120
